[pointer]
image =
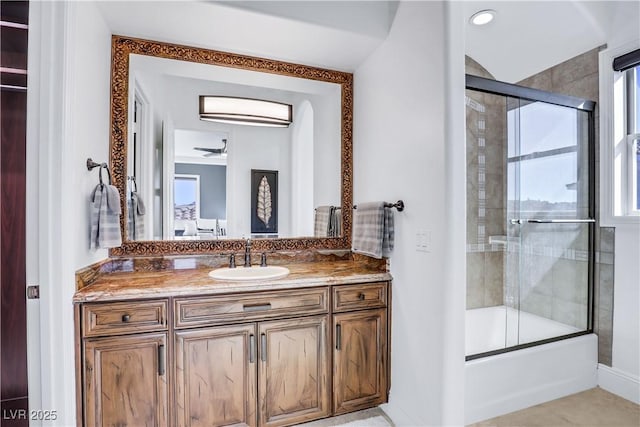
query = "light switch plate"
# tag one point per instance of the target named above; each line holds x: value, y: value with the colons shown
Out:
x: 423, y: 241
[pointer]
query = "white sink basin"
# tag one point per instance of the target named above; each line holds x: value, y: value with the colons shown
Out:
x: 241, y: 274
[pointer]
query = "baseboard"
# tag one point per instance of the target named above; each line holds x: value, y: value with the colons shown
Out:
x: 619, y: 382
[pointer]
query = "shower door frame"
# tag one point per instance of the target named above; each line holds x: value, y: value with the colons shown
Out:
x: 481, y: 84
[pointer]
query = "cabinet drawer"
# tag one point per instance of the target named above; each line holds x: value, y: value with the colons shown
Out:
x: 358, y: 297
x: 124, y: 317
x: 241, y: 307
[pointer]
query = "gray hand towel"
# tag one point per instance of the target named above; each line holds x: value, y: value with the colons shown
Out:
x: 335, y: 223
x: 373, y: 230
x: 140, y: 209
x: 136, y: 212
x: 105, y: 217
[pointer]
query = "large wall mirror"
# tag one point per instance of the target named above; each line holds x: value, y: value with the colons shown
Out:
x: 191, y: 186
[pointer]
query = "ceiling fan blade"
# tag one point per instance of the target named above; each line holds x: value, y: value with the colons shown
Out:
x: 209, y: 150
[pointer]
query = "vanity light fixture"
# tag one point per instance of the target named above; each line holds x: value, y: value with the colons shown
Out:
x: 245, y: 111
x: 482, y: 17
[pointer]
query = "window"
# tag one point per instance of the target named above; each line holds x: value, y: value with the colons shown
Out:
x: 620, y: 134
x: 632, y: 83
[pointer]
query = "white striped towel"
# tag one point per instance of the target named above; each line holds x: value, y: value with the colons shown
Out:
x: 373, y: 230
x: 105, y: 217
x: 321, y: 222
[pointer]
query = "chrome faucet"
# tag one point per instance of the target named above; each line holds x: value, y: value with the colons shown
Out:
x: 247, y: 253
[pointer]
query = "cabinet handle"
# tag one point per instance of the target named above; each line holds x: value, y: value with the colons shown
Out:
x: 256, y: 307
x: 126, y: 318
x: 161, y: 359
x: 338, y: 336
x: 252, y: 348
x: 361, y: 296
x: 263, y: 347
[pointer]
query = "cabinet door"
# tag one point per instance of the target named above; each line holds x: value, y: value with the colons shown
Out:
x: 360, y: 360
x: 125, y: 381
x: 293, y: 371
x: 216, y: 376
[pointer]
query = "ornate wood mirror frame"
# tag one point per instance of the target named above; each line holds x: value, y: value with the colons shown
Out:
x: 122, y: 47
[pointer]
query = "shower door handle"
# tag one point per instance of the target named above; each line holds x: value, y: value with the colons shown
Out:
x: 561, y: 221
x: 552, y: 221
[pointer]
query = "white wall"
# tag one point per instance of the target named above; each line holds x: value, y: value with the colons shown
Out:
x: 400, y: 153
x: 626, y: 315
x: 251, y: 147
x: 72, y: 124
x: 623, y: 377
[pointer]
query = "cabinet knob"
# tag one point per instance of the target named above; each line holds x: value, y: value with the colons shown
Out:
x: 126, y: 318
x: 361, y: 296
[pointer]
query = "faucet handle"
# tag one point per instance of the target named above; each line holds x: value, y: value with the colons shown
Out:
x: 263, y: 259
x: 232, y: 261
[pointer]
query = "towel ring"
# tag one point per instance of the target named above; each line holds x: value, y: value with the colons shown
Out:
x: 92, y: 165
x: 134, y: 183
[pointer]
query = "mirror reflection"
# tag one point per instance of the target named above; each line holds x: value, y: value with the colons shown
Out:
x: 193, y: 179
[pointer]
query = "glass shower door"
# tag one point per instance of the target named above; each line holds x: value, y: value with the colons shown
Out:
x: 548, y: 186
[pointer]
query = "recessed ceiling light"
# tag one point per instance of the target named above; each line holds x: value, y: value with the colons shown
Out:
x: 483, y: 17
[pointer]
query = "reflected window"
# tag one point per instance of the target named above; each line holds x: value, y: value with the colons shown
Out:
x: 186, y: 197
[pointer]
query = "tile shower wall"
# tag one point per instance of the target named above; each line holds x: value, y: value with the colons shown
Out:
x: 486, y: 145
x: 579, y: 77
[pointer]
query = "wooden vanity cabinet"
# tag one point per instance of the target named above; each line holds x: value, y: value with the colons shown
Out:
x: 223, y: 373
x: 293, y: 374
x: 260, y: 372
x: 247, y: 359
x: 360, y: 352
x: 126, y: 380
x: 215, y: 375
x: 124, y: 363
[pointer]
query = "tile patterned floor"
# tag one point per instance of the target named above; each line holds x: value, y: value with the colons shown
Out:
x: 593, y: 408
x: 373, y: 417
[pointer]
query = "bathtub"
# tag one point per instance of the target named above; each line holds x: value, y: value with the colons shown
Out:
x: 503, y: 383
x: 493, y: 328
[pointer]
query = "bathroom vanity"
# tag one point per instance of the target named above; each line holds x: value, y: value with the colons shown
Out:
x: 161, y: 343
x: 175, y: 347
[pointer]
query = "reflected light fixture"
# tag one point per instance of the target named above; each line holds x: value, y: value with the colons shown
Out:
x: 482, y: 17
x: 245, y: 111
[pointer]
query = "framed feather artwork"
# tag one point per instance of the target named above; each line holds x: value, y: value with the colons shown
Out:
x: 264, y: 201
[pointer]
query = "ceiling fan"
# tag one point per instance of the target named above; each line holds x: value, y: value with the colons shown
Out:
x: 214, y: 151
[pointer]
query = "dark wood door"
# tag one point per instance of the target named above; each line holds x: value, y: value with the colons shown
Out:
x: 126, y: 381
x: 13, y: 308
x: 216, y: 376
x: 360, y: 360
x: 293, y: 372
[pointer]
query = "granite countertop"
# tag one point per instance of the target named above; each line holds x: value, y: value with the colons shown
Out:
x: 196, y: 281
